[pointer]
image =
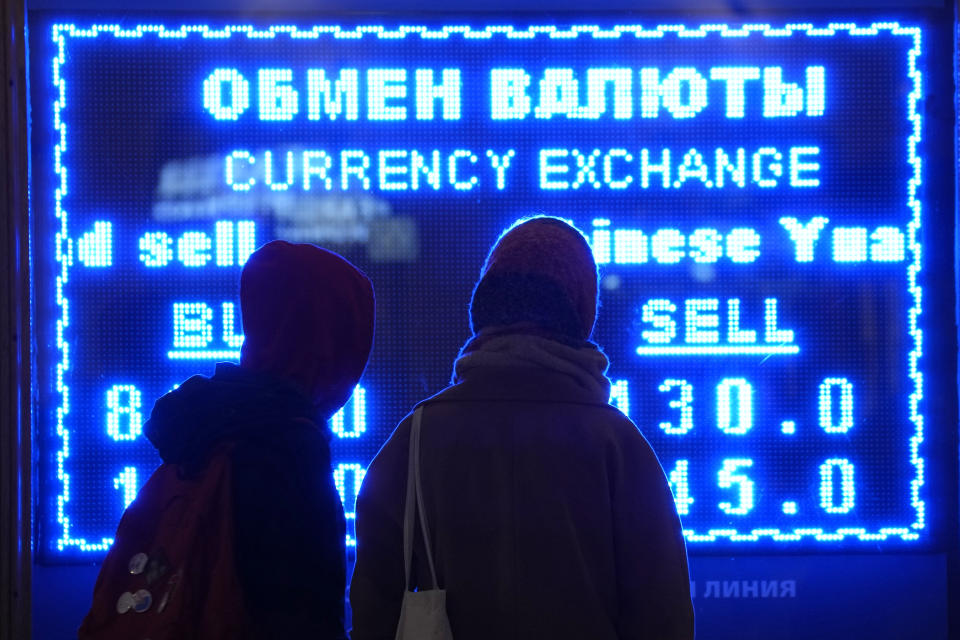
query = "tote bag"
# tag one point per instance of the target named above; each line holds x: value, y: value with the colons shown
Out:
x: 423, y: 614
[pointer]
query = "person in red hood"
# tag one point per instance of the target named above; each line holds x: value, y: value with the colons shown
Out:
x: 308, y: 319
x: 549, y: 514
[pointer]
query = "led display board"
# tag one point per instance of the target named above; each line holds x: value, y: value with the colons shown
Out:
x: 753, y: 194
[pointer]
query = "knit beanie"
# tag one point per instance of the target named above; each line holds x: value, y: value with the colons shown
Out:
x: 540, y: 271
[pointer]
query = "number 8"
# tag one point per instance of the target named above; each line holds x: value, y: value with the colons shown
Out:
x: 131, y: 409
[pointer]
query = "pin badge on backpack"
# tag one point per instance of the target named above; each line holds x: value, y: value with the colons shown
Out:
x: 163, y: 601
x: 157, y: 566
x: 171, y: 587
x: 138, y: 563
x: 125, y: 602
x: 142, y: 600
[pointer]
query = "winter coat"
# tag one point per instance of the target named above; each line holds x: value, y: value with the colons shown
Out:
x: 288, y: 518
x: 308, y: 320
x: 550, y: 517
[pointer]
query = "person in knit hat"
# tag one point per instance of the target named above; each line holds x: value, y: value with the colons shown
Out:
x: 549, y: 515
x: 308, y: 318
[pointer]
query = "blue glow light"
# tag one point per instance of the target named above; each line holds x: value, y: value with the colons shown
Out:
x: 269, y: 178
x: 888, y: 245
x: 724, y: 350
x: 95, y: 248
x: 124, y: 400
x: 680, y: 485
x: 849, y: 244
x: 127, y: 482
x: 278, y: 100
x: 447, y: 92
x: 745, y: 486
x: 340, y: 97
x: 683, y: 403
x: 804, y: 236
x: 156, y: 249
x: 358, y: 401
x: 219, y: 355
x: 827, y: 393
x: 735, y: 417
x: 620, y: 396
x: 348, y: 493
x: 847, y: 490
x: 193, y: 249
x: 402, y: 158
x: 213, y: 94
x: 192, y: 328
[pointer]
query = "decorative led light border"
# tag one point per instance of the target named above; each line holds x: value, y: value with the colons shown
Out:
x: 64, y: 243
x: 469, y: 33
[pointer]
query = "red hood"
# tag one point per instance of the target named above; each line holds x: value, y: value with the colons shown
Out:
x: 308, y: 317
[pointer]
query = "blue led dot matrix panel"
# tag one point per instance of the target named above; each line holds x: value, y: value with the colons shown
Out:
x: 752, y: 193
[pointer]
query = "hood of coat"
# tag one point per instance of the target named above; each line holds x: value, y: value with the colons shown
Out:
x: 188, y: 422
x: 585, y: 365
x: 308, y: 318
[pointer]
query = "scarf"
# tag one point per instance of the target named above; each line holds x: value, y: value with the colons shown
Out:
x: 586, y: 364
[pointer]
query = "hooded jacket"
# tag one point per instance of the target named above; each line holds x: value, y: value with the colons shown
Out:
x: 550, y: 517
x: 308, y: 320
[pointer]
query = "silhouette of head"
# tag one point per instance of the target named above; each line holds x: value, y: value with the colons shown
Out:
x: 540, y: 272
x: 308, y: 317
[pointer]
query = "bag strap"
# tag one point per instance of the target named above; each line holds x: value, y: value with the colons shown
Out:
x: 414, y: 503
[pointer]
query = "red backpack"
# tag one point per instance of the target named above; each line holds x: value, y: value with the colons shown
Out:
x: 171, y: 572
